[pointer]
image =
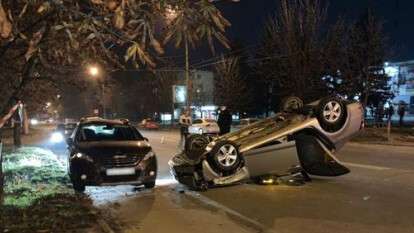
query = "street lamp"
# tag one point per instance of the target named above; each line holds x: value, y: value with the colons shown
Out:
x: 94, y: 71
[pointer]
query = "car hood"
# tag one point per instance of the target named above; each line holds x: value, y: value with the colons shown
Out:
x: 109, y: 148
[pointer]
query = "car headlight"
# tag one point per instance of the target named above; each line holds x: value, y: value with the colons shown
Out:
x: 149, y: 155
x: 80, y: 155
x: 34, y: 121
x: 57, y: 137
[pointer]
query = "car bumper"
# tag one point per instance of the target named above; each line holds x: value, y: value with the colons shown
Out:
x: 91, y: 174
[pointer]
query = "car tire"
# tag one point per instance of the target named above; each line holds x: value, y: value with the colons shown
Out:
x: 195, y: 146
x: 331, y: 114
x: 78, y: 186
x: 291, y: 104
x: 225, y: 157
x: 149, y: 185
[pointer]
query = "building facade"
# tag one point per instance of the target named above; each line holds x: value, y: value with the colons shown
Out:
x: 402, y: 83
x: 202, y: 102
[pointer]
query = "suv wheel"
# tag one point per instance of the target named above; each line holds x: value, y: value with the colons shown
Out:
x: 149, y: 185
x: 78, y: 186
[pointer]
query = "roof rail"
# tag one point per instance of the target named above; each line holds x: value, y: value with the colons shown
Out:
x: 90, y: 118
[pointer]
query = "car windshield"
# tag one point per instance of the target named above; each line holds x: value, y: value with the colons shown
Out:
x: 109, y: 132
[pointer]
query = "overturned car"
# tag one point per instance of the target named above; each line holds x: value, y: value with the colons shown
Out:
x: 300, y: 139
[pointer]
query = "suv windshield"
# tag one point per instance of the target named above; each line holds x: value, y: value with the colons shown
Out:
x: 108, y: 132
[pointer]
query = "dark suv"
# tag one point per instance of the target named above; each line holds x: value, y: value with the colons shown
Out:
x: 110, y: 152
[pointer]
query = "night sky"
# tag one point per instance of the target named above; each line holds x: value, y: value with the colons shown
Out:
x: 249, y: 16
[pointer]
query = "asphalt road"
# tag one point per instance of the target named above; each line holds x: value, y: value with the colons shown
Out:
x: 377, y: 196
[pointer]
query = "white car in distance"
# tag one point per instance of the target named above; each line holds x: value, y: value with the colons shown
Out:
x: 204, y: 126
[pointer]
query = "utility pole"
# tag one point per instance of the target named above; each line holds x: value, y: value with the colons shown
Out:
x: 103, y: 98
x: 187, y: 75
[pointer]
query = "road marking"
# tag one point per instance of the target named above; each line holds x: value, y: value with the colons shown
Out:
x: 372, y: 167
x: 249, y: 221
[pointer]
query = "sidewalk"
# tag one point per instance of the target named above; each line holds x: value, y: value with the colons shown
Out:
x: 398, y: 137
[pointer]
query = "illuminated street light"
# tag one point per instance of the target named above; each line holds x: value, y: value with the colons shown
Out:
x: 93, y: 70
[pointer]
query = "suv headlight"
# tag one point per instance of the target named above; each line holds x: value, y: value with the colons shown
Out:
x: 149, y: 155
x: 82, y: 156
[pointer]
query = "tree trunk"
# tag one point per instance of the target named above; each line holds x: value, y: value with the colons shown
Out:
x: 17, y: 128
x: 26, y: 122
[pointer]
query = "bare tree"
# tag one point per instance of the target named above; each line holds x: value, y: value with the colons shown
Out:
x: 366, y: 53
x: 230, y: 88
x: 290, y: 56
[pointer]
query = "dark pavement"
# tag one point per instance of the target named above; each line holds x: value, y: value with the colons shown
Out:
x: 377, y: 196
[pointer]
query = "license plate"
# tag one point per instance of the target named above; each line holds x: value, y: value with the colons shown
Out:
x: 120, y: 171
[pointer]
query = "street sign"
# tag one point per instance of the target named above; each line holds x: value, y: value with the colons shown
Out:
x: 179, y: 94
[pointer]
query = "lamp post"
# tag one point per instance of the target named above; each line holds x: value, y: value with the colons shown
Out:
x: 94, y: 71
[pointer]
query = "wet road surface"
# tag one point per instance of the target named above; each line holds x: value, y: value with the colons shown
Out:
x: 377, y: 196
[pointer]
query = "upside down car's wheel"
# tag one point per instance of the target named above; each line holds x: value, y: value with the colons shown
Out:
x: 291, y: 104
x: 225, y: 157
x: 195, y: 146
x: 331, y: 114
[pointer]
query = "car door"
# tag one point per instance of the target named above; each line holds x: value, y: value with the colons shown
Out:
x: 316, y: 159
x: 273, y: 158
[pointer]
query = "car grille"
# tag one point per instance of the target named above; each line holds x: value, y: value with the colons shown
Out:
x: 121, y: 161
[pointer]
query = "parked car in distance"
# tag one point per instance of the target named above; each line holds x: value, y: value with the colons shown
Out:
x: 149, y: 123
x: 110, y: 152
x: 204, y: 126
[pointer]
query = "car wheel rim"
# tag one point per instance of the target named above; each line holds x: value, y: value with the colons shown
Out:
x: 227, y: 155
x: 332, y: 111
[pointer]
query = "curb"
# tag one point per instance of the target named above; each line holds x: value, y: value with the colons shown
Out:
x: 383, y: 143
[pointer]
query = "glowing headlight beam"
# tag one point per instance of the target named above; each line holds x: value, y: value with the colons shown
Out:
x: 57, y: 138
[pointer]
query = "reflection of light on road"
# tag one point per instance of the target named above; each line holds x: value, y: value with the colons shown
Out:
x: 165, y: 181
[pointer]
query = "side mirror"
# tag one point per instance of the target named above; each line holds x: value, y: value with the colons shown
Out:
x: 69, y: 141
x: 146, y: 139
